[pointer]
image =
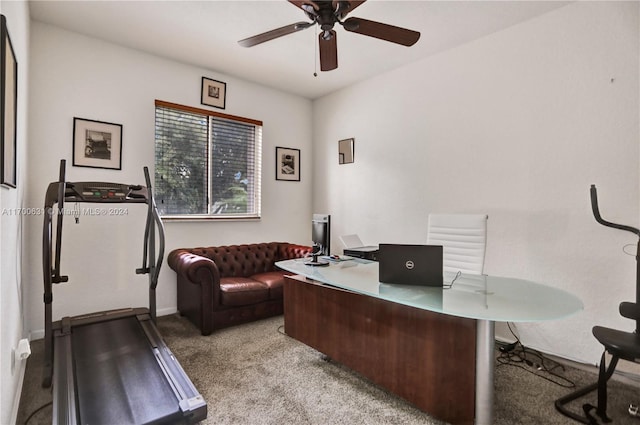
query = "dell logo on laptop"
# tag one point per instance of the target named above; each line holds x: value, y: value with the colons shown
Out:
x: 409, y: 264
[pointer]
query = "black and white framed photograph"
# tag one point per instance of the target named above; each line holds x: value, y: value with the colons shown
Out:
x: 214, y: 93
x: 97, y: 144
x: 9, y: 102
x: 287, y: 164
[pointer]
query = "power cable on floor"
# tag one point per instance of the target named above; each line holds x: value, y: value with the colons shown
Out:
x: 36, y: 411
x: 533, y: 361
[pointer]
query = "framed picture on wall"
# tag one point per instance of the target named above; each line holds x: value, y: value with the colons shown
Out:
x: 9, y: 103
x: 214, y: 93
x: 287, y: 164
x: 97, y: 144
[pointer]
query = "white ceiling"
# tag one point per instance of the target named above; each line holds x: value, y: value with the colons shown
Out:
x: 205, y: 34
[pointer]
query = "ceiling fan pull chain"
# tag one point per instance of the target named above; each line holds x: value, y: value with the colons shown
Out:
x: 315, y: 55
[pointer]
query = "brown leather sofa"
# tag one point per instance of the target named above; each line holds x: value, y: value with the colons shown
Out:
x: 228, y: 285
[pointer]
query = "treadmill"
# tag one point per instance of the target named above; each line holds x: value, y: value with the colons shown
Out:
x: 111, y: 367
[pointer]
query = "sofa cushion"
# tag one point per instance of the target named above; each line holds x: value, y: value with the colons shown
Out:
x: 273, y: 280
x: 237, y: 291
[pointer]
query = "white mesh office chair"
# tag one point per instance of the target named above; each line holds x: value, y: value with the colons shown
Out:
x: 464, y: 238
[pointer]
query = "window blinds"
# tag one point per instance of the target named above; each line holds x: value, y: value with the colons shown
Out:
x: 207, y: 164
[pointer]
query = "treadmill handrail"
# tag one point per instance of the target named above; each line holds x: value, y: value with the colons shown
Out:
x: 61, y: 191
x: 156, y: 217
x: 147, y: 227
x: 161, y: 246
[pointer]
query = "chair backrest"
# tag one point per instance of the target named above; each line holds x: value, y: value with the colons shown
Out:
x: 631, y: 311
x: 464, y: 240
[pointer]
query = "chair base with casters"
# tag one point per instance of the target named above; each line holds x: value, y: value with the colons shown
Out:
x: 621, y: 345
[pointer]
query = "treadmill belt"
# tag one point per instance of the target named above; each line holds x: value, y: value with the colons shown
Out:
x: 118, y: 378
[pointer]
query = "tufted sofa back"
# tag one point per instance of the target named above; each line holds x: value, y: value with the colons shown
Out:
x: 249, y: 259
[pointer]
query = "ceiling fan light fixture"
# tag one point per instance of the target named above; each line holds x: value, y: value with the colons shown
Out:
x: 302, y: 25
x: 326, y: 27
x: 351, y: 24
x: 341, y: 6
x: 309, y: 6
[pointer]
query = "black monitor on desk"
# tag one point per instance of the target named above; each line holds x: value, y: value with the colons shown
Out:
x: 321, y: 233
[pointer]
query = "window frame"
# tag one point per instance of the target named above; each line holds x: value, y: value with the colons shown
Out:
x: 257, y: 169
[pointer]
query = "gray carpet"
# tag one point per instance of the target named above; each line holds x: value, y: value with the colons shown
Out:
x: 253, y: 374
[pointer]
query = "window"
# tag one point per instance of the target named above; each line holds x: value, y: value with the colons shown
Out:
x: 207, y: 163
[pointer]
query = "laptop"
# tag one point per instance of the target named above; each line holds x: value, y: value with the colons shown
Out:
x: 411, y: 264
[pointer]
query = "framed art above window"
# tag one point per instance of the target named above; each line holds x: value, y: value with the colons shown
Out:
x: 214, y: 93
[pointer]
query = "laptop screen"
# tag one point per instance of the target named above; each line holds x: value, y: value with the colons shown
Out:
x: 410, y: 264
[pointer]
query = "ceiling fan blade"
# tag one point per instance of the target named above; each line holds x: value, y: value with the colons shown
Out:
x: 382, y: 31
x: 278, y: 32
x: 328, y: 51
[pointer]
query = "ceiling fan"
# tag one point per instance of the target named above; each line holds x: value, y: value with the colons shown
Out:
x: 326, y: 13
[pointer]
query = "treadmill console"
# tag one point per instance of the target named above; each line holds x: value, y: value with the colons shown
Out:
x: 104, y: 192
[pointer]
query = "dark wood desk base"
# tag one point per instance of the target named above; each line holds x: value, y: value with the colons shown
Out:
x: 425, y: 357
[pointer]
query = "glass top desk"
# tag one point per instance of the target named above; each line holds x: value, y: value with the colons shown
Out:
x: 484, y: 298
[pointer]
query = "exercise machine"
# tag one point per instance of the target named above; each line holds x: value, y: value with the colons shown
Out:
x: 111, y: 367
x: 619, y: 344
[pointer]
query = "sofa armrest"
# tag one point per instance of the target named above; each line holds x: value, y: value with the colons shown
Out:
x: 198, y: 286
x: 288, y: 251
x: 197, y: 268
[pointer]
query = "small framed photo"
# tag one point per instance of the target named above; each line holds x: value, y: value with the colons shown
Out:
x: 97, y: 144
x: 287, y: 164
x: 8, y: 106
x: 214, y: 93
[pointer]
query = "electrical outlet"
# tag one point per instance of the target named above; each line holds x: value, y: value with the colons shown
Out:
x: 19, y: 353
